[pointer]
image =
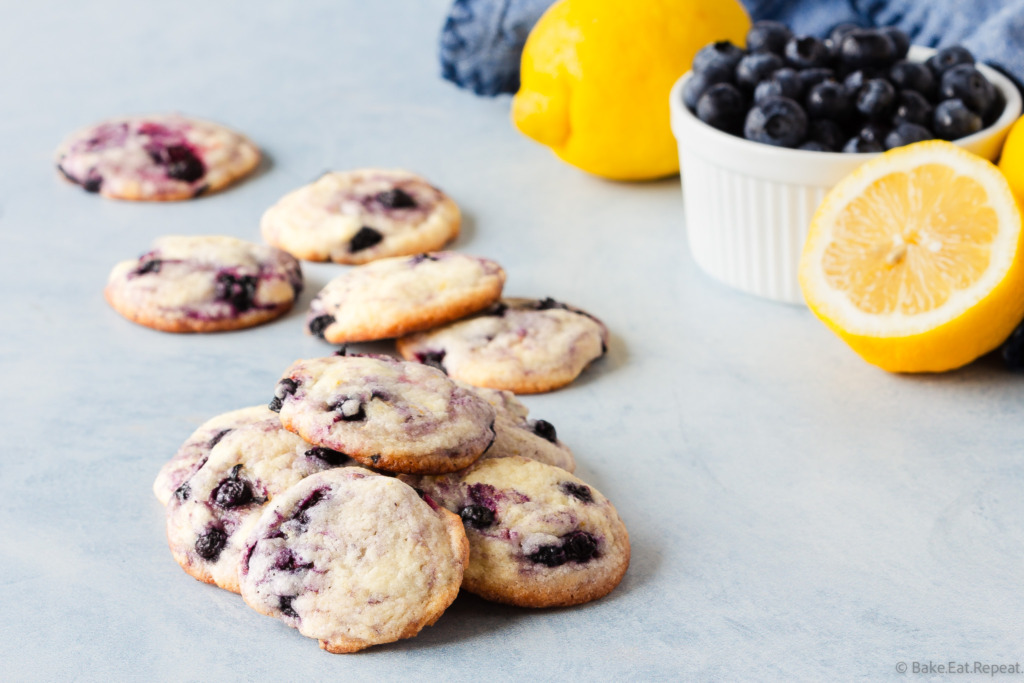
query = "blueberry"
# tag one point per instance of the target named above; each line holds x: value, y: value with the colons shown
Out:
x: 331, y: 457
x: 964, y: 82
x: 836, y: 35
x: 807, y: 52
x: 855, y: 80
x: 900, y: 40
x: 876, y: 100
x: 210, y: 543
x: 947, y: 58
x: 995, y: 109
x: 434, y: 359
x: 547, y: 303
x: 497, y: 309
x: 906, y: 75
x: 364, y: 239
x: 755, y: 68
x: 548, y: 555
x: 912, y: 107
x: 183, y: 492
x: 827, y: 133
x: 150, y: 266
x: 907, y: 134
x: 396, y: 198
x: 348, y: 409
x: 545, y: 430
x: 1012, y: 350
x: 580, y: 546
x: 92, y: 183
x: 217, y: 437
x: 286, y: 561
x: 477, y: 516
x: 777, y: 121
x: 828, y: 100
x: 858, y: 145
x: 812, y: 77
x: 814, y: 146
x: 420, y: 258
x: 182, y: 164
x: 722, y: 106
x: 577, y: 491
x: 286, y: 387
x: 768, y: 36
x: 320, y: 323
x: 237, y: 290
x: 721, y: 55
x: 302, y: 509
x: 785, y: 82
x: 232, y: 492
x: 698, y: 84
x: 953, y: 120
x: 284, y: 603
x: 867, y: 48
x: 873, y: 132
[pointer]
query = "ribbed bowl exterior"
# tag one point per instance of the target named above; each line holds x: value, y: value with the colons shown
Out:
x: 748, y: 206
x: 747, y: 231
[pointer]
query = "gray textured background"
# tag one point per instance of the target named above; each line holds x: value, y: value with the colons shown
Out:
x: 794, y: 512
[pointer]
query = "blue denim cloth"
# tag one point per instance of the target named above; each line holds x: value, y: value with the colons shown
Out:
x: 482, y: 39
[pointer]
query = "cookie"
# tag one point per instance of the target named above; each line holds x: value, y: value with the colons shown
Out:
x: 538, y: 536
x: 353, y: 559
x: 385, y: 413
x: 192, y: 454
x: 522, y: 345
x: 396, y: 296
x: 359, y: 216
x: 211, y: 512
x: 163, y: 157
x: 515, y: 434
x: 204, y: 284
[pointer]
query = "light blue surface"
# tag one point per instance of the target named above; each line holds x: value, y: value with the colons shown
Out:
x: 794, y: 512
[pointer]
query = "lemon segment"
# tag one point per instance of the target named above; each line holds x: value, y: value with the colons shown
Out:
x: 915, y: 259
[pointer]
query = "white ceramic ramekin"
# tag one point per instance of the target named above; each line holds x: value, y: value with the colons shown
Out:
x: 748, y: 205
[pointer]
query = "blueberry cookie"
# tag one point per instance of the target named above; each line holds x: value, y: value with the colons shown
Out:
x: 353, y: 559
x: 196, y: 450
x: 163, y: 157
x: 396, y: 296
x: 538, y: 536
x: 385, y: 413
x: 204, y: 284
x: 522, y: 345
x: 516, y: 434
x: 211, y: 512
x: 360, y: 216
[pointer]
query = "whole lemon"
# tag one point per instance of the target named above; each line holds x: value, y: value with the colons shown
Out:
x: 596, y: 75
x: 1011, y: 163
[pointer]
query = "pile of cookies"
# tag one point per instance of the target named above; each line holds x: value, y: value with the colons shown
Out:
x: 370, y: 490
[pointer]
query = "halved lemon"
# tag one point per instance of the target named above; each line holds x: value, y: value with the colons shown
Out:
x: 916, y: 259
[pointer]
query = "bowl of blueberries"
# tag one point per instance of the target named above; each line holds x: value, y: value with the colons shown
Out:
x: 764, y: 132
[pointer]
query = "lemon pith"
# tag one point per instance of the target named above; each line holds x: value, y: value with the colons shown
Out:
x: 915, y: 259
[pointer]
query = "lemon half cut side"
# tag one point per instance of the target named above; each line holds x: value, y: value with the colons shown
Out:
x: 915, y: 259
